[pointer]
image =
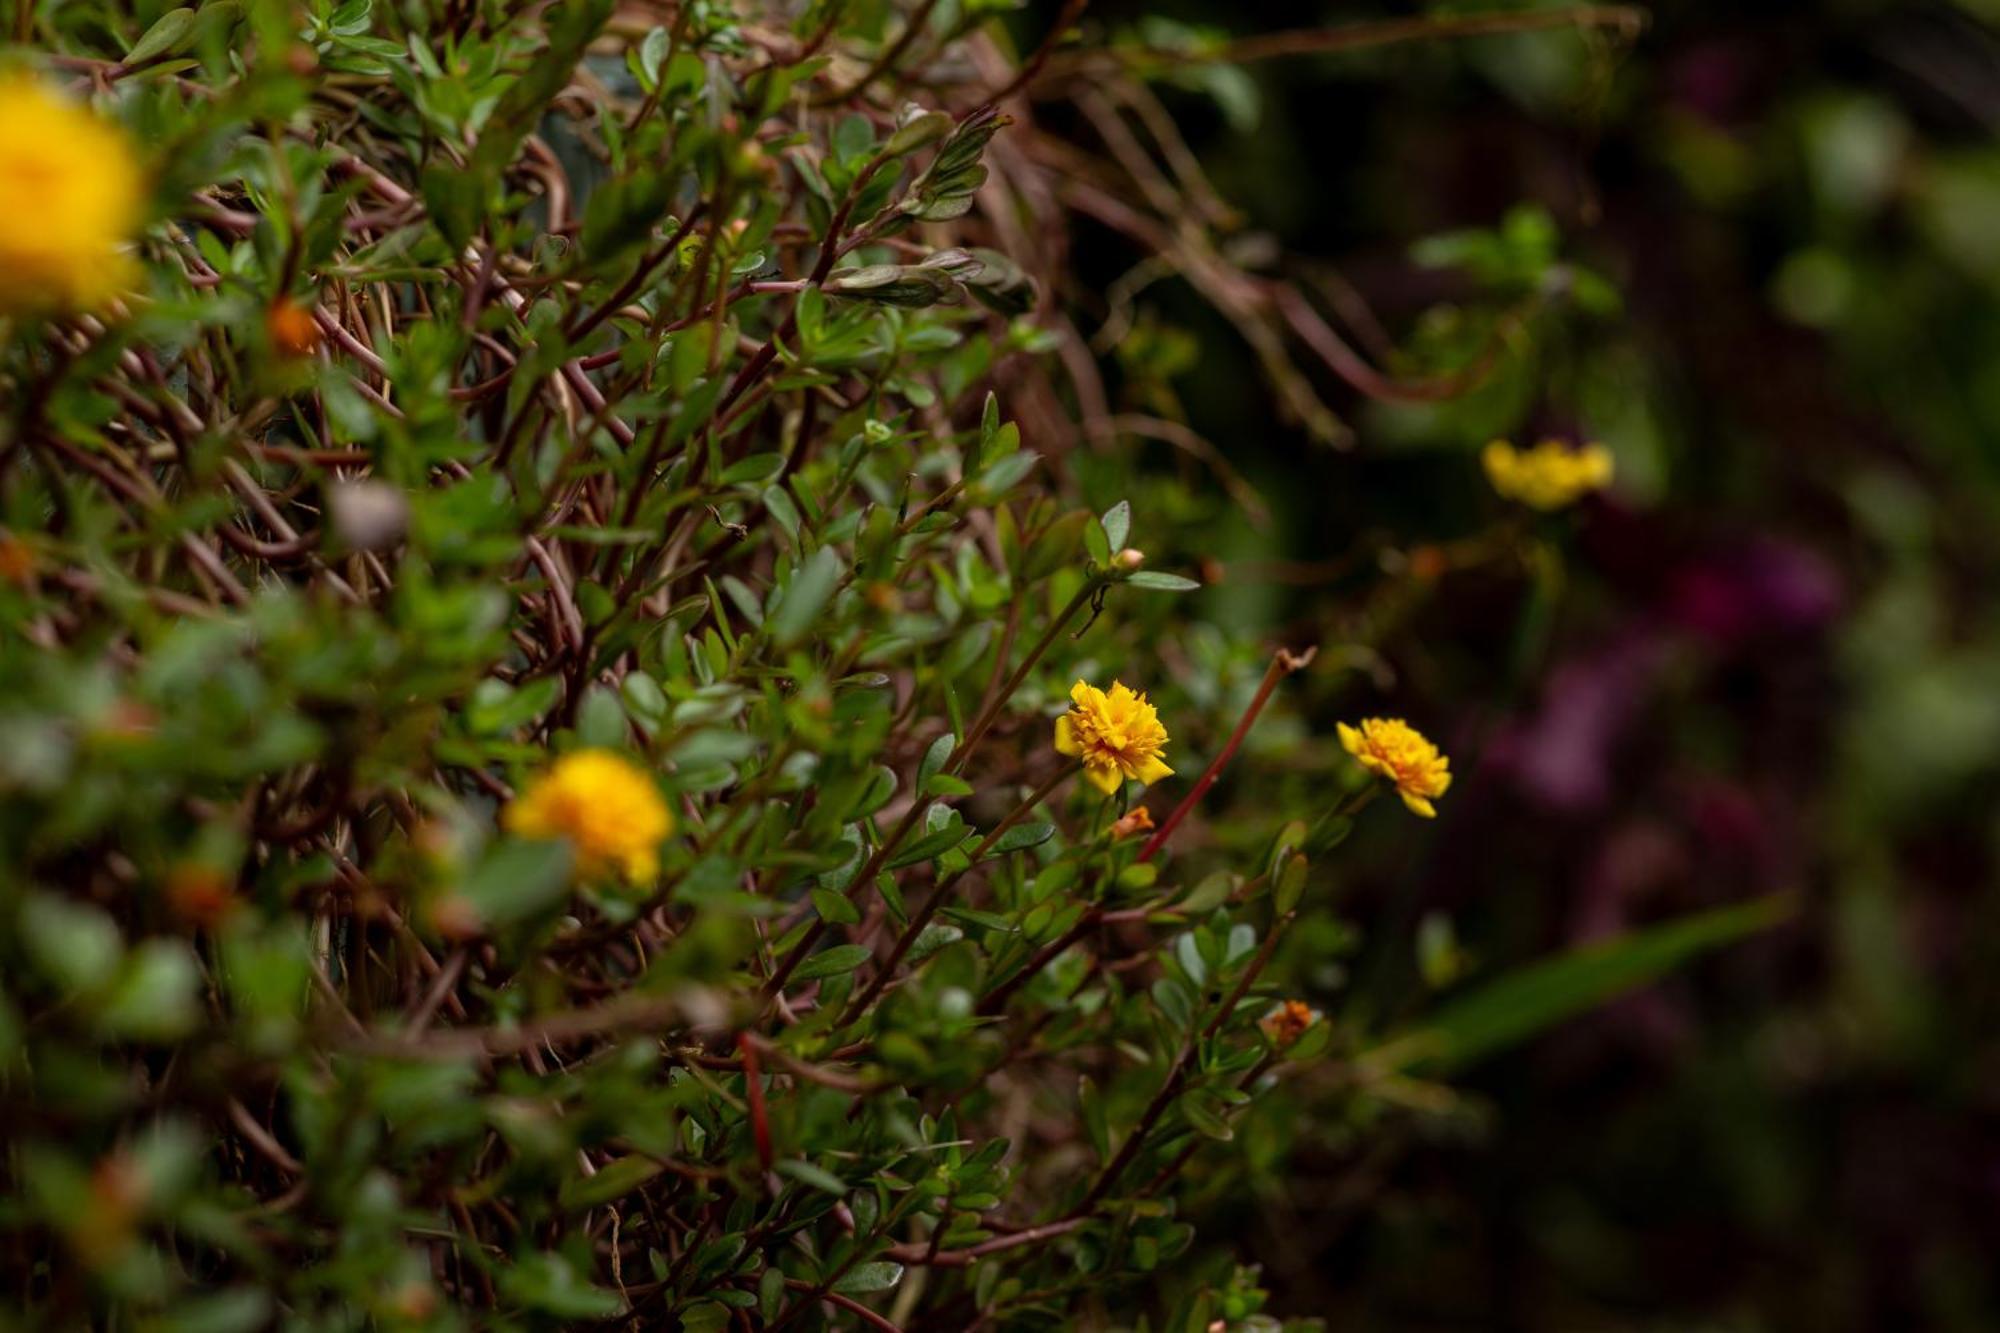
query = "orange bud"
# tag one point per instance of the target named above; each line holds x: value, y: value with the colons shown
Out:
x: 293, y: 332
x: 199, y: 894
x: 1288, y: 1022
x: 17, y: 559
x: 1137, y: 821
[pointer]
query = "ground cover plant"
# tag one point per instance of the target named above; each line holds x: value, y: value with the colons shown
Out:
x: 573, y: 753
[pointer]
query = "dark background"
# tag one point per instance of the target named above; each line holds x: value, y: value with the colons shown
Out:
x: 1774, y: 662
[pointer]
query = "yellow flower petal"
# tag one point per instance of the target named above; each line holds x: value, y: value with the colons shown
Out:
x: 1066, y: 742
x: 1152, y: 770
x: 1106, y: 778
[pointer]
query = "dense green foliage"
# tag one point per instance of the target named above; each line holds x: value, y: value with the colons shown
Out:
x: 508, y: 382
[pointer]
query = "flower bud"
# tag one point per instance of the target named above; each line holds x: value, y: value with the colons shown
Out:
x: 1133, y: 823
x: 292, y: 330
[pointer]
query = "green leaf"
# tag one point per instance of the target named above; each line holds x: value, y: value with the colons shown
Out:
x: 1001, y: 285
x: 1007, y: 471
x: 547, y: 1283
x: 73, y: 944
x: 1117, y: 523
x: 1291, y: 883
x: 518, y: 879
x: 864, y: 1278
x: 1095, y: 1122
x: 653, y: 54
x: 771, y: 1293
x: 1188, y: 952
x: 818, y: 1177
x: 645, y: 701
x: 934, y: 757
x: 1524, y: 1002
x: 932, y: 938
x: 910, y: 285
x: 156, y: 996
x: 704, y: 1317
x: 496, y: 707
x: 840, y: 958
x: 600, y: 719
x: 1206, y: 1118
x: 915, y: 128
x: 1210, y: 893
x: 811, y: 587
x: 833, y: 906
x: 168, y: 33
x: 614, y: 1180
x: 621, y: 214
x: 1096, y: 545
x: 456, y: 200
x: 1150, y: 578
x: 989, y: 430
x: 931, y: 844
x: 1022, y: 836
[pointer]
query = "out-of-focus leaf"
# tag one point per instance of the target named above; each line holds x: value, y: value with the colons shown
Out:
x: 1523, y: 1003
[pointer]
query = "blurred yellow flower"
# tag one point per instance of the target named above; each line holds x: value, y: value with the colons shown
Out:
x: 1392, y: 748
x: 71, y: 196
x: 607, y: 806
x: 1117, y: 736
x: 1548, y: 476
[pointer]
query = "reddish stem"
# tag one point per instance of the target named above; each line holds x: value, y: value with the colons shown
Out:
x: 1282, y: 665
x: 753, y: 1084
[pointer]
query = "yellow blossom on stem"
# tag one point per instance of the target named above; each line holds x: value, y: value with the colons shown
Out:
x: 1548, y: 476
x: 1117, y: 735
x: 71, y: 197
x: 605, y: 805
x: 1392, y: 748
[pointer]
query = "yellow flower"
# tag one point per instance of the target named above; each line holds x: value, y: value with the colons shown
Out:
x: 608, y: 808
x: 1397, y: 751
x: 1117, y: 735
x: 71, y: 196
x: 1548, y: 476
